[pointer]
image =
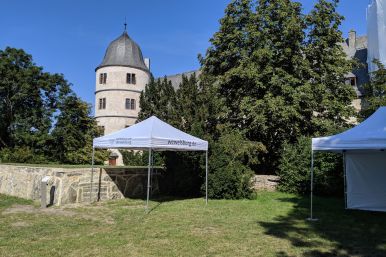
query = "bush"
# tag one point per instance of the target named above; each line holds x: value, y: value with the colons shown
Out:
x: 230, y: 173
x: 294, y: 170
x: 140, y: 158
x: 21, y: 155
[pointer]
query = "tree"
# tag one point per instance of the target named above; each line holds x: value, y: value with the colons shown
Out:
x: 74, y: 131
x: 28, y: 99
x: 375, y: 95
x: 158, y: 99
x: 41, y: 117
x: 260, y: 89
x: 276, y: 82
x: 331, y: 97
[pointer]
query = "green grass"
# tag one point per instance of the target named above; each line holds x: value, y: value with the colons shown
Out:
x: 272, y: 225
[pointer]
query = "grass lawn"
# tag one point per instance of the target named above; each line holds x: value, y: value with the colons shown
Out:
x: 272, y: 225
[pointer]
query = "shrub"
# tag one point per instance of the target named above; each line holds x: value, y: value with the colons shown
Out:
x: 230, y: 173
x: 21, y: 155
x: 294, y: 170
x: 140, y: 158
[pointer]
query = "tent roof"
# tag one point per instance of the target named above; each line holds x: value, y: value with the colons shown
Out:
x: 151, y: 133
x: 368, y: 135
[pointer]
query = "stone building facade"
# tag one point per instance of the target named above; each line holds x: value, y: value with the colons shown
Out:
x: 356, y: 47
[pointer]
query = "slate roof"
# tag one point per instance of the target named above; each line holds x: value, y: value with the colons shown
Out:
x: 177, y: 78
x: 359, y: 52
x: 123, y: 51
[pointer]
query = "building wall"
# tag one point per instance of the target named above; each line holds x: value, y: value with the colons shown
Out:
x: 116, y: 90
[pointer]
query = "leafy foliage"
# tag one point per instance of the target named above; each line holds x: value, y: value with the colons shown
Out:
x: 230, y: 175
x: 186, y: 171
x: 140, y: 158
x: 375, y: 96
x: 42, y: 120
x: 294, y: 170
x: 279, y: 74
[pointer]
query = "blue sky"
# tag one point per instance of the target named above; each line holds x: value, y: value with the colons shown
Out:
x: 70, y: 37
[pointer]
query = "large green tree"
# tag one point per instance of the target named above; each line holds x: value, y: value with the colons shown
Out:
x: 158, y: 99
x: 375, y: 96
x: 260, y: 87
x: 278, y: 73
x: 28, y: 99
x: 41, y: 117
x: 329, y: 108
x: 73, y: 133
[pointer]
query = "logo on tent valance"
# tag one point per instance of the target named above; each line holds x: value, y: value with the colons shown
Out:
x: 182, y: 142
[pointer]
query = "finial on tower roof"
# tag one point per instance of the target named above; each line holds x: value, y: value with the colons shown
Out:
x: 125, y: 24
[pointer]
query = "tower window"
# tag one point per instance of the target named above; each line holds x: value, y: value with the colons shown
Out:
x: 130, y: 78
x: 102, y: 103
x: 102, y: 78
x: 130, y: 104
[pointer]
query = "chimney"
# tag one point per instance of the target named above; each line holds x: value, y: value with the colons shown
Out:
x: 352, y: 38
x: 147, y: 62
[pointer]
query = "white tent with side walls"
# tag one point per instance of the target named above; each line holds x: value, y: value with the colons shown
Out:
x: 152, y: 134
x: 364, y: 162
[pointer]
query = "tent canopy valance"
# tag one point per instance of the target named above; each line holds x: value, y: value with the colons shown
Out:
x: 152, y: 134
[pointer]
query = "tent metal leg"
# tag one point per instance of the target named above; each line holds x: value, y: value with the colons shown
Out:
x: 311, y: 218
x: 148, y: 182
x: 206, y: 178
x: 92, y: 173
x: 344, y: 179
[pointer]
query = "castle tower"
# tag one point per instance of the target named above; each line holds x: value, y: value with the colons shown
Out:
x: 120, y: 79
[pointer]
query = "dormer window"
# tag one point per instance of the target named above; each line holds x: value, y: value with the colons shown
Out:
x: 351, y: 81
x: 102, y: 78
x: 130, y: 78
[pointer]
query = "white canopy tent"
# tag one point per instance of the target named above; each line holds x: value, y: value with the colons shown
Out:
x: 364, y: 162
x: 152, y: 134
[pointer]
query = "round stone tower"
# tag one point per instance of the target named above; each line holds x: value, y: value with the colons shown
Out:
x: 120, y: 79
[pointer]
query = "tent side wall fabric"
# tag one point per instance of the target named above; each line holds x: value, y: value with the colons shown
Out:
x: 366, y: 180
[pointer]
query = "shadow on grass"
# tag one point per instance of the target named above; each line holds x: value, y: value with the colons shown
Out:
x: 352, y: 233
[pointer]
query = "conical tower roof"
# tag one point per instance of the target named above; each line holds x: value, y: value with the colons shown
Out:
x: 123, y: 51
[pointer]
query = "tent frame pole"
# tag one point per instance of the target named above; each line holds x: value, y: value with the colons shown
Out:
x: 206, y: 178
x: 344, y: 179
x: 92, y: 173
x: 148, y: 181
x: 311, y: 218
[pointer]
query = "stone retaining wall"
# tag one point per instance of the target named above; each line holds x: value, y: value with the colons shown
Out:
x: 73, y: 185
x: 265, y: 182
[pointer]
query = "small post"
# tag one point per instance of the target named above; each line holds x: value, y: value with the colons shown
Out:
x: 206, y: 178
x: 344, y: 179
x: 148, y: 182
x: 92, y: 173
x: 311, y: 218
x: 43, y: 191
